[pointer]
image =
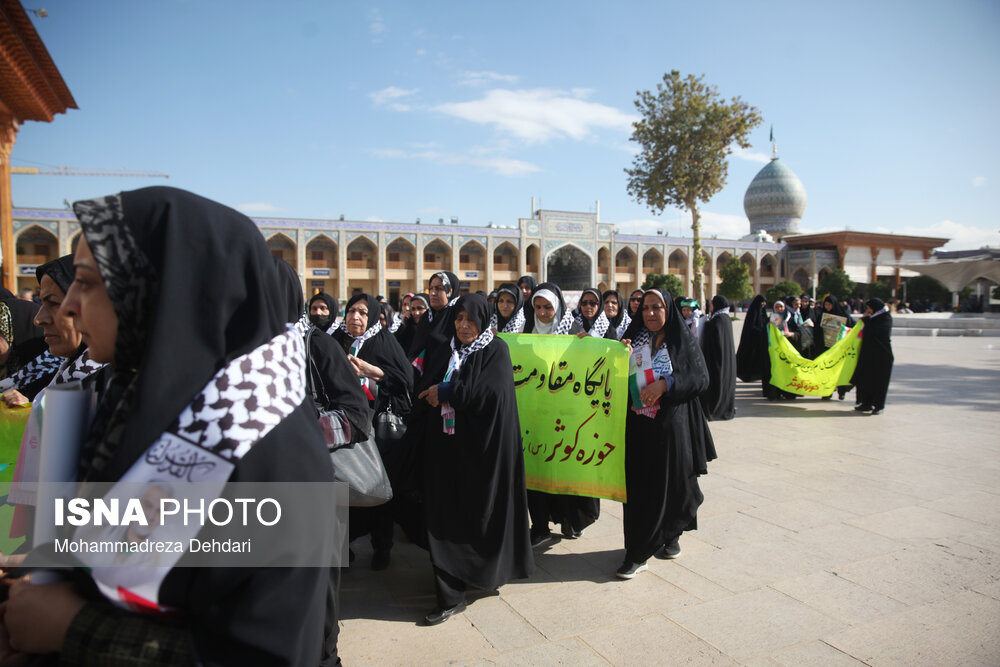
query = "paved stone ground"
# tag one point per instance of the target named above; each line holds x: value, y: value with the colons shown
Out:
x: 827, y: 537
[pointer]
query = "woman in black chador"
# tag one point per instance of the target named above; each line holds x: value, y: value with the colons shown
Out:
x: 387, y: 378
x: 333, y: 387
x: 434, y: 328
x: 832, y: 306
x: 719, y: 402
x: 871, y: 377
x: 752, y: 360
x: 474, y: 495
x: 178, y: 293
x: 616, y: 311
x: 667, y: 440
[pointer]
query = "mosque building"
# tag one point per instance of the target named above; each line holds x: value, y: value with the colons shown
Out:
x: 572, y: 249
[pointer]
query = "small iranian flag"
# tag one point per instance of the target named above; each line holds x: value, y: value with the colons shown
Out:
x: 418, y: 363
x: 638, y: 378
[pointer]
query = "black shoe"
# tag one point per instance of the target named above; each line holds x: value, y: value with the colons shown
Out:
x: 539, y: 540
x: 629, y: 570
x: 571, y: 533
x: 863, y: 408
x: 841, y: 394
x: 380, y: 559
x: 877, y: 411
x: 827, y: 398
x: 438, y: 616
x: 670, y: 550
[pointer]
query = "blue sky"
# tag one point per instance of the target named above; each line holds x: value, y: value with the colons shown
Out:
x: 397, y: 110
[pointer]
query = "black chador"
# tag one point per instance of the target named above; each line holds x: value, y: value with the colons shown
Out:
x: 752, y: 361
x: 474, y: 494
x: 875, y: 359
x: 719, y: 402
x: 665, y: 453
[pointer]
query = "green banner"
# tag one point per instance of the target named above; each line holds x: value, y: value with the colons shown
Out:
x: 572, y: 395
x: 813, y: 377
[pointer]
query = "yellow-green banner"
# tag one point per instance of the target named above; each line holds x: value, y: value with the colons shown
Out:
x: 813, y: 377
x: 571, y: 399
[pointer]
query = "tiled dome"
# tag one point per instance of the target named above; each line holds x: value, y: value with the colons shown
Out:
x: 775, y: 200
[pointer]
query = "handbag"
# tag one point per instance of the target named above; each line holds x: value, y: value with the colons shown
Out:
x: 358, y: 465
x: 389, y: 426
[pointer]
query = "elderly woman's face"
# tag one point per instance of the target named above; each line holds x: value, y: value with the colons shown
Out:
x: 88, y: 304
x: 505, y: 304
x: 611, y: 307
x: 60, y: 335
x: 356, y: 318
x: 465, y: 329
x: 654, y: 312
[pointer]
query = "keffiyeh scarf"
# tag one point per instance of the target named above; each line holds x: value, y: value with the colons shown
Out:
x: 458, y: 357
x: 41, y: 366
x: 514, y: 325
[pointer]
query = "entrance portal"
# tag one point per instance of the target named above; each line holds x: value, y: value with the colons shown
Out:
x: 570, y: 268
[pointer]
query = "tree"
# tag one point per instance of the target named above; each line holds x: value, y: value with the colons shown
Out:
x: 735, y: 284
x: 684, y: 135
x: 666, y: 281
x: 927, y: 289
x: 837, y: 283
x: 783, y: 289
x: 879, y: 289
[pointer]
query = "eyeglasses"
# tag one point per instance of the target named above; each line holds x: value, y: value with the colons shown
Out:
x: 588, y: 303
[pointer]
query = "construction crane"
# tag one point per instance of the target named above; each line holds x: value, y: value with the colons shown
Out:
x: 86, y: 171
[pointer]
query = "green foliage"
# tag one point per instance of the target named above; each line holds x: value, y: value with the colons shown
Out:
x: 879, y: 289
x: 666, y: 281
x: 685, y: 134
x: 927, y: 288
x: 735, y: 284
x: 837, y: 283
x: 783, y: 289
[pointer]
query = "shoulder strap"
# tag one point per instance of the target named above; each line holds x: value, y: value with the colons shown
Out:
x: 319, y: 400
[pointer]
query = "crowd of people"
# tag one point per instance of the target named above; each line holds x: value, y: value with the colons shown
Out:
x: 812, y: 330
x: 171, y: 299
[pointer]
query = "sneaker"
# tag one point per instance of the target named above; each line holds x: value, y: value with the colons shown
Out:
x: 670, y: 550
x: 862, y: 408
x: 629, y: 570
x: 571, y: 533
x: 539, y: 540
x: 877, y: 411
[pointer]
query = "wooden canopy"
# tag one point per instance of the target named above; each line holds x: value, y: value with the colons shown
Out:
x: 31, y: 88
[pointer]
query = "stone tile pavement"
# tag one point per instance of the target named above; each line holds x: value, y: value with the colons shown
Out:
x: 827, y: 537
